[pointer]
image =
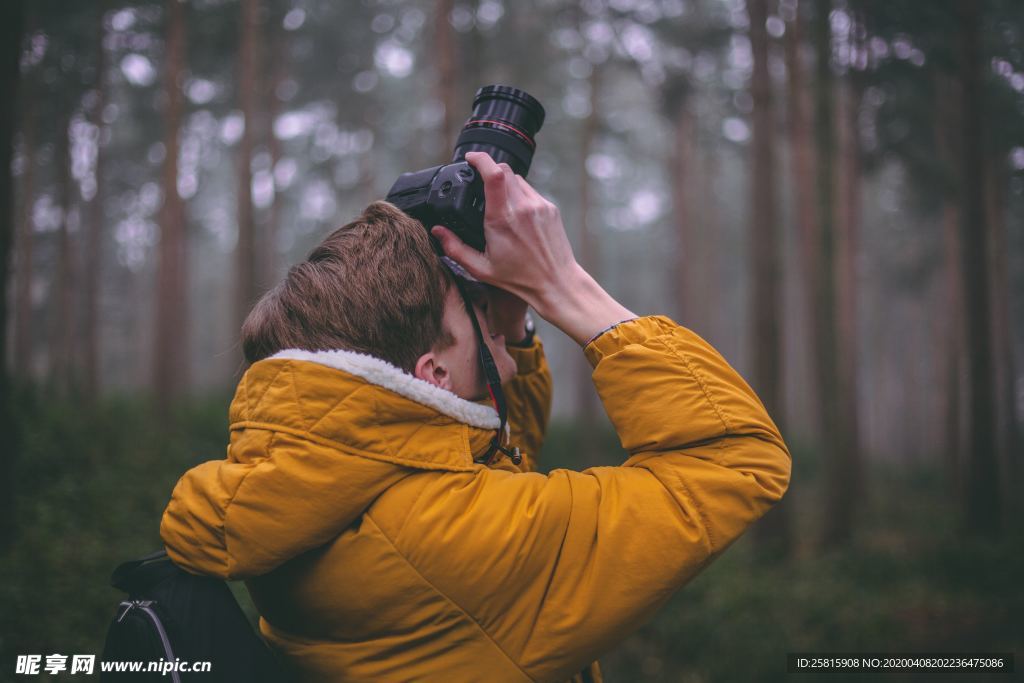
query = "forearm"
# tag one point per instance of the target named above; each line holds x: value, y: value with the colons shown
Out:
x: 579, y: 306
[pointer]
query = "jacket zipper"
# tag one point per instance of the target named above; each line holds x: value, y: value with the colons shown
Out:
x: 144, y: 605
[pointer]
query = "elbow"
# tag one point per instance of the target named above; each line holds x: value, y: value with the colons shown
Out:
x: 778, y: 482
x: 766, y: 463
x: 775, y: 472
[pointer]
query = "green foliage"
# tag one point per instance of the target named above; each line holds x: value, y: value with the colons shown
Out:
x: 93, y: 480
x: 91, y: 483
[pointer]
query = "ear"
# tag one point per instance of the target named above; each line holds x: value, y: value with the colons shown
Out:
x: 432, y: 369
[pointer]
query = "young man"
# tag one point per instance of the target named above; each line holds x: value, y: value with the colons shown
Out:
x: 372, y: 543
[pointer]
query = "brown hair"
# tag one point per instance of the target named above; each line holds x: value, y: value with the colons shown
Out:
x: 374, y: 286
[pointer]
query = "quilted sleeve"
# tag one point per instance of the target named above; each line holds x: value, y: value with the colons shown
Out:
x: 557, y: 569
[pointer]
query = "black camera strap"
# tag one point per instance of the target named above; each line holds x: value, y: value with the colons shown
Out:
x: 493, y: 378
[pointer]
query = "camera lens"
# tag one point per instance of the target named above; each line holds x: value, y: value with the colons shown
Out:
x: 503, y: 123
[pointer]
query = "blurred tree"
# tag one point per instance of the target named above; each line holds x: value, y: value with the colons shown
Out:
x: 62, y: 328
x: 172, y: 340
x: 693, y: 164
x: 839, y: 500
x: 953, y: 352
x: 919, y: 121
x: 1004, y: 132
x: 278, y: 70
x: 676, y: 93
x: 983, y: 505
x: 774, y: 530
x: 1007, y: 440
x: 913, y: 118
x: 445, y: 46
x: 12, y: 15
x: 849, y: 178
x: 356, y: 91
x: 247, y: 289
x: 800, y: 139
x: 712, y: 262
x: 765, y: 240
x: 24, y: 241
x: 95, y: 236
x: 951, y: 357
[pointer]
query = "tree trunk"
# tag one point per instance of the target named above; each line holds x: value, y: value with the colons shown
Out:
x: 475, y: 45
x: 62, y: 325
x: 773, y: 532
x: 839, y: 497
x: 802, y: 181
x: 171, y: 343
x: 12, y: 14
x: 1008, y: 435
x: 24, y: 241
x: 94, y: 239
x: 952, y: 411
x: 983, y: 504
x: 684, y: 285
x: 444, y: 49
x: 848, y: 224
x: 245, y: 276
x: 713, y: 266
x: 279, y: 71
x: 764, y: 224
x: 947, y: 97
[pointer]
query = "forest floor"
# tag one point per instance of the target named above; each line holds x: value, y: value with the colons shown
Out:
x: 92, y: 481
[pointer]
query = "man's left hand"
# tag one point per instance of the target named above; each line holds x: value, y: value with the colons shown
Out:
x: 506, y: 314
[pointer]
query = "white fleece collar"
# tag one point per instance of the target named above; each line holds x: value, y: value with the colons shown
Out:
x: 383, y: 374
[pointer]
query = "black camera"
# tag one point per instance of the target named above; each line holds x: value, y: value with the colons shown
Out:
x: 503, y: 123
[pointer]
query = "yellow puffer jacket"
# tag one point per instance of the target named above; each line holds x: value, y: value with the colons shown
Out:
x: 376, y: 550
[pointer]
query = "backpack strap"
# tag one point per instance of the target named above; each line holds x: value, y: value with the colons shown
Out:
x: 140, y: 576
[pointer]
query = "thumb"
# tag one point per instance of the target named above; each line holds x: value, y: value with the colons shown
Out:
x: 475, y: 263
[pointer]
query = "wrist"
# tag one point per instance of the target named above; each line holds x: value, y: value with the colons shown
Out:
x: 554, y: 298
x: 512, y: 327
x: 524, y: 339
x: 579, y: 306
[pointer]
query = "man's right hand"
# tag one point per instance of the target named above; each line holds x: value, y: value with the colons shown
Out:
x: 528, y: 254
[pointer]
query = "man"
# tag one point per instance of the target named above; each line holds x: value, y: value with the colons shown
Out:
x: 372, y: 543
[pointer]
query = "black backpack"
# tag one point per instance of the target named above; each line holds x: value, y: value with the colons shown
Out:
x: 178, y: 620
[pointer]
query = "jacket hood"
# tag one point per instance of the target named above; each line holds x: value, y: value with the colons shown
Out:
x: 316, y: 437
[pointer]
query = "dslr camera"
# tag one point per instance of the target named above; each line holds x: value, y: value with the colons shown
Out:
x: 503, y: 124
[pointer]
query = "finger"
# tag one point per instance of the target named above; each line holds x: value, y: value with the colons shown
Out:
x: 496, y: 180
x: 516, y: 192
x: 527, y: 189
x: 475, y: 263
x: 512, y: 183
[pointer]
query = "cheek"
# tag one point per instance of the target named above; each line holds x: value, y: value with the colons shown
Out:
x: 471, y: 369
x: 506, y: 364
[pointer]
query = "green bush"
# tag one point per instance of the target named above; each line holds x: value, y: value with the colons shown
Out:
x: 91, y: 483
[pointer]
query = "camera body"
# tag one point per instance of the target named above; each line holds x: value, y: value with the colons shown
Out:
x: 503, y: 122
x: 451, y: 195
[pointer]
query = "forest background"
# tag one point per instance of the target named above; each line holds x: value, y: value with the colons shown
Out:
x: 830, y: 191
